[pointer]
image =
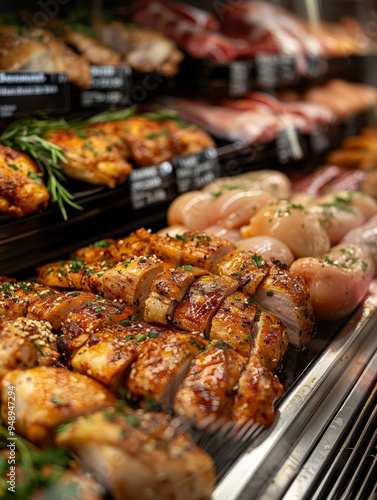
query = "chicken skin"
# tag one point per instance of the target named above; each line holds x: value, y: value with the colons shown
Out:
x: 22, y: 191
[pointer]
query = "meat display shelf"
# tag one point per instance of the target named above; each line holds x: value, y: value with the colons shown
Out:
x: 299, y: 457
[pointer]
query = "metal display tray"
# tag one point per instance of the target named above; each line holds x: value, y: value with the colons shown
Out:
x: 292, y: 459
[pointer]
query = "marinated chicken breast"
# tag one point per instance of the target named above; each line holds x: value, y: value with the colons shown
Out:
x: 90, y: 317
x: 187, y: 139
x: 269, y: 340
x: 300, y: 230
x: 15, y: 297
x: 22, y: 191
x: 74, y: 274
x: 286, y: 296
x: 338, y: 281
x: 98, y: 251
x: 54, y: 308
x: 48, y: 396
x: 131, y: 281
x: 91, y: 157
x: 15, y: 350
x: 202, y: 300
x: 258, y: 390
x: 246, y: 268
x: 233, y: 322
x: 108, y: 353
x: 162, y: 364
x: 206, y: 394
x: 167, y: 291
x: 140, y: 455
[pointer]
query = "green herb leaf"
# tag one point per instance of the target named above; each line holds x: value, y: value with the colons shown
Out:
x: 188, y: 268
x: 36, y: 345
x: 124, y: 322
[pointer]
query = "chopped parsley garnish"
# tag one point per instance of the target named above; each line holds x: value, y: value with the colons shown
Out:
x: 257, y: 259
x: 247, y: 337
x: 124, y: 322
x: 6, y: 289
x: 101, y: 244
x: 238, y: 299
x: 82, y: 134
x: 181, y: 237
x: 89, y: 146
x: 250, y: 300
x: 129, y: 337
x: 99, y: 309
x: 89, y: 272
x: 36, y: 177
x: 224, y: 346
x: 127, y: 263
x: 243, y: 368
x: 237, y: 275
x: 187, y: 268
x: 364, y: 266
x: 270, y: 294
x: 62, y: 271
x: 74, y: 294
x: 12, y: 165
x: 197, y: 345
x: 132, y: 419
x: 133, y: 317
x: 152, y: 335
x: 57, y: 400
x: 62, y: 427
x: 77, y: 265
x: 89, y: 303
x: 242, y: 267
x: 299, y: 333
x: 140, y: 337
x: 109, y: 148
x: 36, y: 345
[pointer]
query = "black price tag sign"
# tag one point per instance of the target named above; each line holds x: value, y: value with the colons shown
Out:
x: 286, y: 69
x: 289, y: 147
x: 315, y: 66
x: 239, y: 75
x: 319, y: 140
x: 30, y: 92
x: 267, y: 70
x: 152, y: 185
x: 108, y: 85
x: 196, y: 170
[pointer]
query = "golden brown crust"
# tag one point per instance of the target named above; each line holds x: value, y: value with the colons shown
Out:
x: 246, y: 268
x: 270, y: 341
x: 189, y: 139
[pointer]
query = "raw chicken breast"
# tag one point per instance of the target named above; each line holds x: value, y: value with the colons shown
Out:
x: 268, y: 247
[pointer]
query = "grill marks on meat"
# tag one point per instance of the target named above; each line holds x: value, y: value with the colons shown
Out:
x: 205, y: 396
x: 145, y: 455
x: 192, y: 248
x: 21, y: 192
x: 287, y: 297
x: 167, y: 291
x: 246, y: 268
x: 257, y: 391
x: 202, y: 300
x: 161, y: 366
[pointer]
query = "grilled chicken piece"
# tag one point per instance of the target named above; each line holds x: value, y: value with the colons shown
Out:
x: 287, y: 297
x: 91, y: 157
x: 54, y: 308
x: 98, y: 251
x: 85, y: 43
x: 143, y: 49
x: 15, y: 297
x: 161, y: 366
x: 90, y: 317
x: 132, y: 280
x: 75, y: 66
x: 246, y: 268
x: 21, y: 53
x: 167, y: 291
x: 269, y: 340
x: 16, y: 351
x: 22, y: 191
x: 140, y: 455
x: 48, y: 396
x: 188, y: 139
x: 233, y: 322
x: 73, y: 274
x: 107, y: 354
x: 138, y: 243
x: 202, y: 300
x: 258, y: 390
x: 205, y: 396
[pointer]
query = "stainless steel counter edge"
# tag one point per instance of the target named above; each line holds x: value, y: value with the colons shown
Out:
x: 301, y: 415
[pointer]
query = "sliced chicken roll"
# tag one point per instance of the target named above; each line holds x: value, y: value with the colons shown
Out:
x: 202, y: 300
x: 205, y: 396
x: 287, y: 297
x: 162, y: 365
x: 246, y: 268
x: 168, y: 289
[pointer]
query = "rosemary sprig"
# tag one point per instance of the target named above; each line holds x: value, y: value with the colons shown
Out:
x: 29, y: 136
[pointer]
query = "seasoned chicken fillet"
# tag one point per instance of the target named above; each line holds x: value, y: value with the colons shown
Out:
x: 286, y: 296
x: 258, y: 390
x: 246, y: 268
x: 188, y: 139
x: 234, y: 321
x: 15, y: 297
x: 161, y: 366
x: 22, y: 191
x: 49, y: 396
x: 16, y: 351
x: 202, y: 300
x: 140, y: 455
x: 269, y: 340
x: 91, y: 157
x: 167, y: 291
x: 206, y: 394
x: 98, y: 251
x: 132, y: 280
